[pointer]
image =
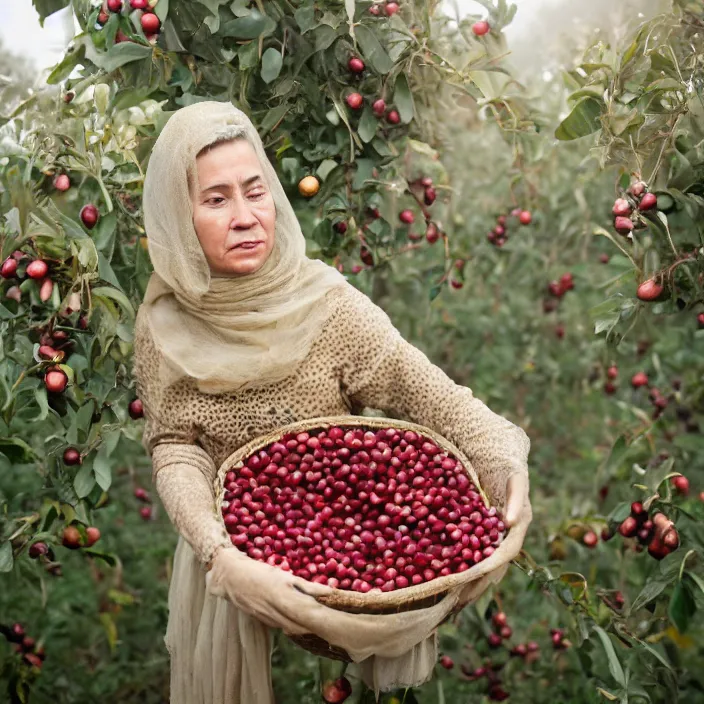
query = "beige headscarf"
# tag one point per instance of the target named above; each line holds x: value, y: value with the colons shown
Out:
x: 228, y: 333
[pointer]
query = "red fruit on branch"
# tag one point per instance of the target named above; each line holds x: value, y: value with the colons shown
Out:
x: 38, y: 549
x: 499, y: 230
x: 456, y: 284
x: 639, y: 379
x: 55, y: 381
x: 407, y: 217
x: 590, y: 539
x: 525, y: 218
x: 340, y: 227
x: 671, y: 539
x: 500, y: 619
x: 610, y: 388
x: 638, y: 512
x: 612, y: 372
x: 481, y: 28
x: 554, y: 289
x: 604, y: 258
x: 62, y: 182
x: 429, y: 196
x: 521, y: 650
x: 103, y: 17
x: 497, y: 693
x: 375, y: 10
x: 447, y: 662
x: 135, y: 409
x: 45, y: 290
x: 142, y: 495
x: 89, y: 215
x: 623, y: 225
x: 622, y: 207
x: 393, y: 117
x: 114, y: 5
x: 629, y: 527
x: 146, y: 513
x: 648, y: 202
x: 92, y: 535
x: 379, y: 107
x: 71, y: 538
x: 657, y: 549
x: 606, y: 534
x: 681, y: 484
x: 567, y: 282
x: 37, y: 269
x: 337, y: 691
x: 649, y: 290
x: 366, y: 256
x: 9, y: 268
x: 354, y: 100
x: 72, y: 456
x: 506, y: 632
x: 501, y: 220
x: 139, y: 4
x: 637, y: 189
x: 494, y: 640
x: 150, y: 23
x: 432, y: 234
x: 559, y: 331
x: 356, y: 65
x: 700, y: 320
x: 391, y: 8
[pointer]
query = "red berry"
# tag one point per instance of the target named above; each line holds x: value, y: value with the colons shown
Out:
x: 37, y: 269
x: 681, y: 484
x: 103, y: 17
x: 637, y: 189
x: 72, y: 456
x: 62, y: 182
x: 92, y: 535
x: 610, y: 388
x: 340, y: 227
x: 139, y: 4
x: 9, y: 268
x: 629, y: 527
x: 623, y: 225
x: 506, y: 632
x: 481, y: 28
x: 497, y: 693
x: 671, y: 539
x: 622, y: 207
x: 366, y: 256
x: 356, y: 65
x: 447, y: 662
x: 494, y: 640
x: 590, y: 539
x: 150, y: 23
x: 337, y: 691
x: 393, y: 117
x: 657, y: 549
x: 559, y: 331
x: 375, y: 10
x: 71, y: 538
x: 354, y: 100
x: 89, y: 215
x: 146, y: 512
x: 69, y: 96
x: 407, y: 217
x: 606, y: 534
x: 639, y: 379
x: 142, y: 494
x: 648, y: 202
x: 432, y: 234
x: 136, y: 409
x: 429, y: 196
x: 604, y: 258
x: 38, y: 549
x: 456, y: 284
x: 637, y: 510
x: 649, y: 290
x: 114, y: 5
x: 391, y: 8
x: 500, y: 619
x: 700, y: 320
x: 55, y: 381
x: 379, y: 107
x: 612, y: 372
x: 525, y: 218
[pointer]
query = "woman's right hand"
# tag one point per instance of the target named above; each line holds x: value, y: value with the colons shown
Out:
x: 273, y: 596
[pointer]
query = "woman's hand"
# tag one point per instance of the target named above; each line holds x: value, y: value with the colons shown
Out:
x: 517, y: 506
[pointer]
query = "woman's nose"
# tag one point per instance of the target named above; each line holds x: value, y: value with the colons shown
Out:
x: 241, y: 217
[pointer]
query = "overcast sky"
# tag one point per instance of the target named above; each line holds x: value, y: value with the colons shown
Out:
x: 21, y: 33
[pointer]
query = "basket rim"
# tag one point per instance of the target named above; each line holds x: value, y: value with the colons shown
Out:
x: 344, y: 599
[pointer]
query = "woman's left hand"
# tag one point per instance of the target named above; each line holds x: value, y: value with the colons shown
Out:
x: 517, y: 507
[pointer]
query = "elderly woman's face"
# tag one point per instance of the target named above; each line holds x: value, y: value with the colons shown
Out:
x: 233, y: 213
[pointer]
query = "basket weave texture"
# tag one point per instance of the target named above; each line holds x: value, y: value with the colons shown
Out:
x: 375, y: 602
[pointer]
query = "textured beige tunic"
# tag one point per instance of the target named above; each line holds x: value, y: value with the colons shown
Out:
x: 359, y: 360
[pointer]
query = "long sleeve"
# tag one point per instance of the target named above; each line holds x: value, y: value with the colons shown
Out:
x: 385, y: 371
x: 182, y: 471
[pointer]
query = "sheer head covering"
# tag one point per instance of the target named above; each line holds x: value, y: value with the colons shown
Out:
x: 226, y: 332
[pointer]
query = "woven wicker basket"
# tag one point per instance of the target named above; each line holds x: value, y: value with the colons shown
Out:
x: 406, y: 599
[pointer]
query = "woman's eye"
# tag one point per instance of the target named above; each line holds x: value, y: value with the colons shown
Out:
x: 258, y: 195
x: 216, y: 201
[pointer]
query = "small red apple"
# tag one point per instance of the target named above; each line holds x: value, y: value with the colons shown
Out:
x: 393, y: 117
x: 62, y: 182
x: 136, y: 409
x: 391, y: 8
x: 379, y: 107
x: 72, y: 456
x: 150, y: 23
x: 92, y: 535
x: 146, y: 513
x: 71, y: 538
x: 55, y: 381
x: 623, y: 225
x: 354, y: 100
x: 114, y: 5
x: 622, y: 207
x: 37, y: 269
x: 447, y: 662
x: 432, y: 234
x: 356, y: 65
x: 525, y: 218
x: 649, y: 290
x: 481, y: 28
x: 407, y: 217
x: 681, y: 484
x: 648, y: 202
x: 89, y: 215
x: 139, y: 4
x: 9, y: 268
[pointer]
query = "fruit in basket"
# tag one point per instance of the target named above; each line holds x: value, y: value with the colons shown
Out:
x: 359, y: 509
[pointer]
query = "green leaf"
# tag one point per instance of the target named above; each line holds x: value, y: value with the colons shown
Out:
x: 305, y: 18
x: 650, y: 591
x: 404, y: 99
x: 123, y: 53
x: 248, y: 55
x: 118, y: 296
x: 616, y: 456
x: 373, y: 51
x: 250, y: 27
x: 16, y: 450
x: 614, y: 664
x: 102, y: 469
x: 272, y: 61
x: 368, y: 125
x: 682, y: 606
x: 583, y: 120
x: 84, y: 481
x: 6, y: 559
x: 45, y: 8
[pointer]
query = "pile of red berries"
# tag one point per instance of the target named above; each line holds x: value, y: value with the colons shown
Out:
x: 658, y: 533
x: 32, y: 654
x: 627, y: 210
x: 499, y: 235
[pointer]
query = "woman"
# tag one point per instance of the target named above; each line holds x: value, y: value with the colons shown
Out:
x: 240, y: 333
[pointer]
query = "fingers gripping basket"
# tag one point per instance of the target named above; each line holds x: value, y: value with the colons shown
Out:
x: 464, y: 587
